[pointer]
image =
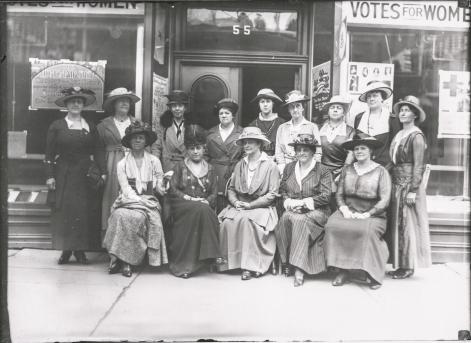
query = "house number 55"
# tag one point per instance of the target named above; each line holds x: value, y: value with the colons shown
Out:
x: 237, y: 29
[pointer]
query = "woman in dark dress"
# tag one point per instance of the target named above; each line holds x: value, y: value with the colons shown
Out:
x: 305, y: 191
x: 222, y: 150
x: 192, y: 197
x: 70, y: 142
x: 408, y: 220
x: 354, y: 233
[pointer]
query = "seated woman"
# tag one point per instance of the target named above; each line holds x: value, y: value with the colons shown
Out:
x: 192, y: 198
x: 135, y: 226
x: 246, y: 237
x: 305, y: 190
x: 354, y: 233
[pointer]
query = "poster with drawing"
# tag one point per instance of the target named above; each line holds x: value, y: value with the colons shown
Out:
x: 321, y: 81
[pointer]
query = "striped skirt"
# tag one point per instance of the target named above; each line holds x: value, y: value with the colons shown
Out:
x: 299, y: 238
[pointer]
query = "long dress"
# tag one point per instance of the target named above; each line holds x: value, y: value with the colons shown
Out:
x: 110, y: 142
x: 409, y: 228
x: 135, y: 225
x: 223, y: 155
x: 68, y: 152
x: 246, y: 236
x: 357, y: 244
x: 195, y: 227
x: 299, y: 236
x: 269, y: 129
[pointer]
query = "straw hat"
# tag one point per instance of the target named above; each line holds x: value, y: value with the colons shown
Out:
x: 116, y: 94
x: 363, y: 139
x: 135, y: 128
x: 177, y: 97
x: 376, y: 86
x: 295, y: 96
x: 252, y: 132
x: 305, y: 139
x: 267, y: 93
x: 338, y: 99
x: 229, y: 103
x: 410, y: 101
x: 87, y: 95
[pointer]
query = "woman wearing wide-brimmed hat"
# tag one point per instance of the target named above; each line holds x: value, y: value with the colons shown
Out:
x: 135, y: 225
x: 246, y: 237
x: 305, y: 191
x: 170, y: 147
x: 70, y: 143
x: 267, y: 120
x: 110, y: 131
x: 222, y: 150
x: 287, y: 132
x: 354, y: 233
x: 408, y: 220
x: 194, y: 231
x: 377, y: 121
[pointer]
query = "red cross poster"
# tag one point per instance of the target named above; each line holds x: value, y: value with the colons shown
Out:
x: 453, y: 105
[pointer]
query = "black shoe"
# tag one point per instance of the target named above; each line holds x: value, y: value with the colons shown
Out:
x: 340, y: 279
x: 185, y: 276
x: 127, y: 271
x: 81, y: 257
x: 114, y: 267
x: 286, y: 269
x: 403, y: 273
x: 65, y: 256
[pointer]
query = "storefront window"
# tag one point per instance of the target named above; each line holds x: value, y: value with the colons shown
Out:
x: 417, y: 57
x: 219, y: 29
x: 77, y: 38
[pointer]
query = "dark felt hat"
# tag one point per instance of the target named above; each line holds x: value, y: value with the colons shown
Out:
x: 362, y: 139
x: 87, y: 95
x: 305, y: 139
x: 177, y: 97
x: 138, y: 127
x: 194, y: 135
x: 228, y: 103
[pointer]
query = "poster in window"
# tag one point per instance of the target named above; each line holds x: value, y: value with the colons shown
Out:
x: 453, y: 104
x: 320, y: 87
x: 359, y: 76
x: 159, y: 101
x: 49, y: 77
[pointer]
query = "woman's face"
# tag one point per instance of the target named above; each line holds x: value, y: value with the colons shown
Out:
x: 138, y: 141
x: 406, y: 115
x: 296, y: 109
x: 336, y: 112
x: 177, y: 110
x: 122, y: 105
x: 196, y: 152
x: 75, y: 105
x: 251, y: 145
x: 374, y: 99
x: 304, y: 153
x: 362, y: 152
x: 225, y: 116
x: 266, y: 106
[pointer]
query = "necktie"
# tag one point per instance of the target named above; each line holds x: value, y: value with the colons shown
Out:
x: 179, y: 128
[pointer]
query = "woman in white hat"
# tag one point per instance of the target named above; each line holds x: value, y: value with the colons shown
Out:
x: 221, y: 148
x: 267, y: 120
x: 70, y: 143
x: 246, y: 237
x: 110, y: 131
x: 287, y: 132
x: 305, y: 191
x: 377, y: 121
x: 408, y: 221
x: 354, y: 233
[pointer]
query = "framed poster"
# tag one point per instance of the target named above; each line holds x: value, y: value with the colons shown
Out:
x: 321, y: 81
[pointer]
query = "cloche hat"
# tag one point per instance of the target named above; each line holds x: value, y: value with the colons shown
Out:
x: 295, y: 96
x: 267, y: 93
x: 229, y: 103
x: 116, y: 94
x: 87, y: 95
x: 361, y: 139
x: 252, y: 132
x: 376, y: 86
x: 137, y: 127
x: 411, y: 101
x: 338, y: 99
x: 177, y: 96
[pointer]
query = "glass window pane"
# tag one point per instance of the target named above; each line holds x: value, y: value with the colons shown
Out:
x: 236, y: 30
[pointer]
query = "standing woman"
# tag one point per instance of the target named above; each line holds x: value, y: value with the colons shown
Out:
x: 410, y: 237
x: 69, y: 144
x: 354, y: 233
x: 377, y: 122
x: 246, y: 237
x: 267, y: 120
x: 111, y: 131
x: 222, y: 149
x: 192, y: 197
x: 305, y: 190
x: 287, y: 132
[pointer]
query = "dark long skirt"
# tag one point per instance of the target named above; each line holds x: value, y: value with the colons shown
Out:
x: 194, y: 236
x: 299, y: 238
x: 356, y: 244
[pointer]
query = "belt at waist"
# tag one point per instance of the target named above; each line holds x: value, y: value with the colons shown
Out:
x: 402, y: 173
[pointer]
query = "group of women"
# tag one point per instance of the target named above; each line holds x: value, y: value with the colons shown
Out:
x: 233, y: 197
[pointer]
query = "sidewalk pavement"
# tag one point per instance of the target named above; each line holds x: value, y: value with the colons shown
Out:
x: 49, y: 302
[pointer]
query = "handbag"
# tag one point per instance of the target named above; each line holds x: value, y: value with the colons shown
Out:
x: 94, y: 178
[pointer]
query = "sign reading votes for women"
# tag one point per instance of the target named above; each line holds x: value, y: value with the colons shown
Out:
x: 49, y: 77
